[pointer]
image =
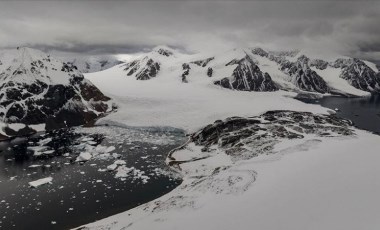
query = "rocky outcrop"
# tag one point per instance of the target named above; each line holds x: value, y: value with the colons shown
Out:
x: 203, y: 63
x: 303, y: 77
x: 360, y: 76
x: 143, y: 69
x: 186, y: 70
x: 164, y: 52
x: 244, y: 138
x: 247, y: 76
x: 37, y: 89
x: 209, y: 71
x: 260, y: 52
x: 319, y: 64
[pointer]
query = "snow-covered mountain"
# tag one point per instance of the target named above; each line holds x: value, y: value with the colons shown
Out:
x: 256, y: 69
x: 90, y: 64
x: 38, y: 90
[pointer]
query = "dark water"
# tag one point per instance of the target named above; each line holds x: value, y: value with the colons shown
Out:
x: 363, y: 112
x: 82, y: 192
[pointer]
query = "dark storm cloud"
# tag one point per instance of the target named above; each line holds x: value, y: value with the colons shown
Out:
x: 348, y: 27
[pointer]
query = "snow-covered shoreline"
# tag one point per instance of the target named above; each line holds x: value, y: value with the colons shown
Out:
x: 310, y: 183
x: 316, y: 184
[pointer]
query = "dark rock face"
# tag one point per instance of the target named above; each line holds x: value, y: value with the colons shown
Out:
x: 143, y: 71
x: 244, y: 138
x: 165, y: 52
x: 132, y: 67
x: 319, y: 64
x: 30, y: 97
x: 186, y: 70
x: 247, y: 76
x: 341, y: 63
x: 203, y: 63
x: 260, y: 52
x: 209, y: 71
x: 361, y: 76
x: 303, y: 77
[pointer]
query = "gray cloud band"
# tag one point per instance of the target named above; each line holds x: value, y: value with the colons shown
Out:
x: 106, y: 27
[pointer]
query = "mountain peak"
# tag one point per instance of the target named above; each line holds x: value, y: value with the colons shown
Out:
x: 164, y: 50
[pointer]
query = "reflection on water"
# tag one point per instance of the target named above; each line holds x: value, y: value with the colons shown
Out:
x: 81, y: 192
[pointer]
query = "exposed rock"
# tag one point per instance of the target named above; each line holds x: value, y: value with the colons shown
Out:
x: 319, y: 64
x: 144, y: 69
x: 186, y: 70
x: 260, y: 52
x: 341, y: 63
x: 209, y: 71
x: 38, y: 89
x: 303, y: 77
x: 203, y: 63
x: 164, y: 52
x: 243, y: 138
x: 361, y: 76
x: 247, y: 76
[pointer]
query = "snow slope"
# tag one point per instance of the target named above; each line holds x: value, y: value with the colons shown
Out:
x: 328, y: 183
x: 163, y: 101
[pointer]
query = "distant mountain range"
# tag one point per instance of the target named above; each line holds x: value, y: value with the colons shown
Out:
x: 38, y: 90
x: 256, y: 69
x: 90, y: 64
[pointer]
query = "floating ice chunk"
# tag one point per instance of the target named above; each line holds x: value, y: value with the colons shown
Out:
x: 120, y: 162
x: 111, y: 167
x: 34, y: 166
x: 36, y: 148
x: 39, y: 182
x: 66, y: 154
x: 91, y: 142
x: 123, y: 171
x: 100, y: 148
x: 84, y: 156
x: 110, y: 149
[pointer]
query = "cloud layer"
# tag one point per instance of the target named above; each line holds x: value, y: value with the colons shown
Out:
x: 104, y: 27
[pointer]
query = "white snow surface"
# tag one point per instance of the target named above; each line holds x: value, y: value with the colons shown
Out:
x: 166, y: 101
x: 21, y: 59
x: 331, y: 184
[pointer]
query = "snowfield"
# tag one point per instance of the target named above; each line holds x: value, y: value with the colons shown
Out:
x: 318, y: 182
x: 167, y: 101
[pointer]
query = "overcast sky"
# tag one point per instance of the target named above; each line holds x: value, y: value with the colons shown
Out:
x: 103, y: 27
